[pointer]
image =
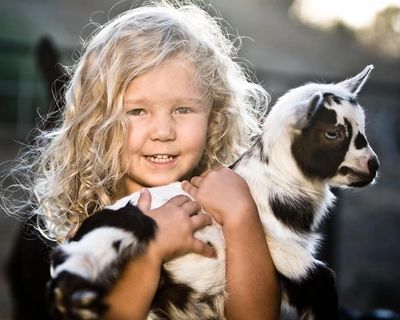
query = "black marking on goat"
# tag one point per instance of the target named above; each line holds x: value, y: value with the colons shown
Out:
x: 128, y: 218
x: 360, y: 141
x: 58, y: 257
x: 349, y: 128
x: 169, y: 293
x: 210, y: 301
x: 259, y: 147
x: 316, y: 291
x: 255, y: 151
x: 317, y: 157
x: 116, y: 245
x: 296, y: 213
x: 67, y: 305
x: 330, y: 97
x: 353, y: 101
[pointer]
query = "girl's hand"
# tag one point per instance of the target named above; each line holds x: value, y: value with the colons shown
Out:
x: 177, y: 220
x: 252, y: 283
x: 223, y: 194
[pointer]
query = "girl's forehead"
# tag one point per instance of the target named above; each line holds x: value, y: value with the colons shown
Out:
x: 171, y: 80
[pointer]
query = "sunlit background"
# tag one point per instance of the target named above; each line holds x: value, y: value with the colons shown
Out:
x: 376, y: 23
x: 286, y: 43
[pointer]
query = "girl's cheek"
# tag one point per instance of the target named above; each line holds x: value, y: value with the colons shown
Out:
x: 136, y: 136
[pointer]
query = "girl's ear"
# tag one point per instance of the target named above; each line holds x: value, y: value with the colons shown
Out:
x: 355, y: 84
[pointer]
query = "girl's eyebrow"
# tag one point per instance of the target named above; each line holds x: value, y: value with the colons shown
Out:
x: 135, y: 101
x: 178, y: 100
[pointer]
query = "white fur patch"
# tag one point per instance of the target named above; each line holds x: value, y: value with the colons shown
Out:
x: 90, y: 256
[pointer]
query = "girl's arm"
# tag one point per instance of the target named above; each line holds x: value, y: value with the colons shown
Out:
x: 253, y: 286
x: 131, y: 297
x: 252, y: 282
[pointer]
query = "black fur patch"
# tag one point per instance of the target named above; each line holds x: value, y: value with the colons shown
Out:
x: 353, y: 101
x: 128, y: 218
x: 360, y: 141
x: 69, y: 304
x: 116, y: 245
x: 255, y: 151
x: 58, y: 257
x: 330, y: 98
x: 258, y: 149
x: 316, y: 156
x: 170, y: 293
x: 297, y: 214
x: 317, y: 292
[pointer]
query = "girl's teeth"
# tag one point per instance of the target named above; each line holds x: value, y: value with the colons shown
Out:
x: 160, y: 158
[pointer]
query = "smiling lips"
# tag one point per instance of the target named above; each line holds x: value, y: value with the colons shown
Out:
x: 160, y: 158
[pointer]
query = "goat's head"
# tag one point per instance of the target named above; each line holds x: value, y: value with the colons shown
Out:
x: 325, y: 128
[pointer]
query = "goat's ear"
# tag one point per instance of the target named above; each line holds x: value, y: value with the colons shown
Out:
x: 355, y: 84
x: 308, y: 110
x: 314, y: 104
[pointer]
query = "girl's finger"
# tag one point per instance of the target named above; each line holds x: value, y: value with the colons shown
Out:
x: 178, y: 200
x: 192, y: 207
x: 144, y: 202
x: 200, y: 221
x: 206, y: 172
x: 189, y: 188
x: 203, y: 249
x: 196, y: 181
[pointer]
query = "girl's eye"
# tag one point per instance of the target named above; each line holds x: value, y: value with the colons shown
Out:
x: 332, y: 135
x: 136, y: 112
x: 183, y: 110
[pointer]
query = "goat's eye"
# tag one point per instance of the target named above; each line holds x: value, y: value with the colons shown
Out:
x: 332, y: 135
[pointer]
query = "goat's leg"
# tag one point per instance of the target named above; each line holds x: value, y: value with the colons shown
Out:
x: 314, y: 296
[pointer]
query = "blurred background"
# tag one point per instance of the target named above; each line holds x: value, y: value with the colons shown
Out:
x: 287, y: 43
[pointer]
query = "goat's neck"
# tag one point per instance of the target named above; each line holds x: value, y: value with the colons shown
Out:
x: 270, y: 170
x: 265, y: 182
x: 269, y: 163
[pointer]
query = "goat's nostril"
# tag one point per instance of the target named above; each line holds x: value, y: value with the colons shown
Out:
x: 373, y: 164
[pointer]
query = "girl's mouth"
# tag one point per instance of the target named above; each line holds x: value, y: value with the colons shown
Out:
x: 160, y: 158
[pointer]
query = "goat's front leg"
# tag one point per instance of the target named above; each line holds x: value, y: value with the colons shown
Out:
x: 314, y: 297
x: 85, y: 268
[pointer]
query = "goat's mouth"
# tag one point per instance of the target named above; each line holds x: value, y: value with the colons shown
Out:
x: 358, y: 178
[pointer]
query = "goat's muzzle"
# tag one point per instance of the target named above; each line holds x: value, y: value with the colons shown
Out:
x: 361, y: 178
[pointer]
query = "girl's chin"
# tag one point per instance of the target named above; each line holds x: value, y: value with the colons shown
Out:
x: 161, y: 181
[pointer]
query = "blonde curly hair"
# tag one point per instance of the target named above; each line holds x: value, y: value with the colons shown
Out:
x: 76, y: 168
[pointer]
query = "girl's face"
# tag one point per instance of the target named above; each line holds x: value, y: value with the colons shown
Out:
x: 168, y: 126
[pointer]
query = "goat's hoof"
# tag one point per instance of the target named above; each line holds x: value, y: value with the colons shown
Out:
x: 75, y: 298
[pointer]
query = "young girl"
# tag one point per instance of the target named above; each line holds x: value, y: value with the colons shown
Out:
x: 156, y: 97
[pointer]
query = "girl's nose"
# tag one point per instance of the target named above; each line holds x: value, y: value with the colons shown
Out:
x: 163, y: 129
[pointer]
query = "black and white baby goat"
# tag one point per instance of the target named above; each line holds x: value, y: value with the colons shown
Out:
x: 313, y: 139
